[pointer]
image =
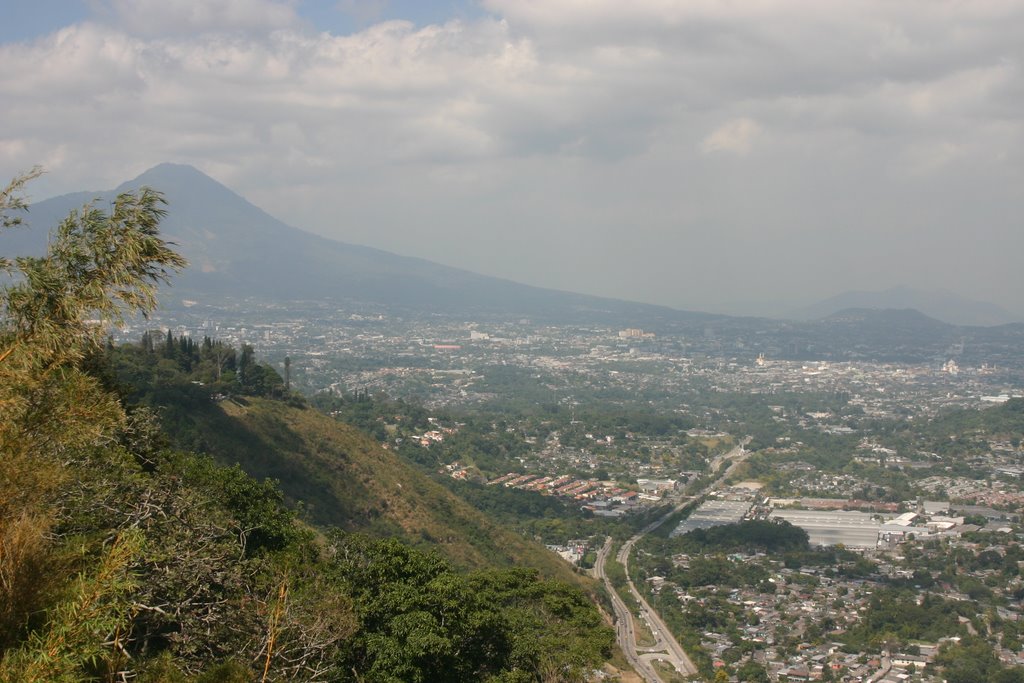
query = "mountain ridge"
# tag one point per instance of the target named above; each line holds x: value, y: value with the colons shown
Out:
x: 237, y: 249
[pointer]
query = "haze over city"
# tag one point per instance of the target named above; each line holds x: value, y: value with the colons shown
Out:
x: 702, y: 155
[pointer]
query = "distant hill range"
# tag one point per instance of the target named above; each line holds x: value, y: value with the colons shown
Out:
x: 236, y: 249
x: 941, y: 305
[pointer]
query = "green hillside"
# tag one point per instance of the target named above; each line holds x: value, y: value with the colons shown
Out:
x: 125, y: 558
x: 216, y: 400
x: 343, y: 478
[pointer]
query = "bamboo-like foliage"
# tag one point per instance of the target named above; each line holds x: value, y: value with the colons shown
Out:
x: 12, y: 200
x: 23, y: 571
x: 99, y: 267
x: 83, y: 632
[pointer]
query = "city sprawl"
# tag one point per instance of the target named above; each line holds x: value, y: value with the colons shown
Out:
x: 831, y: 511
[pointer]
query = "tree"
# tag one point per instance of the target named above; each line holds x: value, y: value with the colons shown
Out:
x: 245, y: 365
x: 752, y: 672
x: 55, y: 310
x: 98, y: 268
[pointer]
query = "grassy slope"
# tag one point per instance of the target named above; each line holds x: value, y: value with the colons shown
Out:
x: 344, y: 478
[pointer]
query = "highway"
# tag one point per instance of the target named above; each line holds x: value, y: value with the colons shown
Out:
x: 625, y: 632
x: 666, y: 648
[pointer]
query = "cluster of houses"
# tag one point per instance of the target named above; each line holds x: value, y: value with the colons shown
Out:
x: 779, y: 624
x: 435, y: 435
x: 979, y: 492
x: 795, y: 623
x: 571, y: 551
x: 603, y: 498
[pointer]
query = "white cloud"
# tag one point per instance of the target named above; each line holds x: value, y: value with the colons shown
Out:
x: 736, y: 136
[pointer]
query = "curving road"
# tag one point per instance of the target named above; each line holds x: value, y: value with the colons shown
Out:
x: 666, y: 648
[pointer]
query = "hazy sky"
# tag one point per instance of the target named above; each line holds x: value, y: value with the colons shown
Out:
x: 685, y: 152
